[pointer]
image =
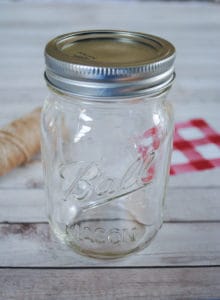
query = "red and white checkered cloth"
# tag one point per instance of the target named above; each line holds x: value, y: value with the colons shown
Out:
x: 196, y: 147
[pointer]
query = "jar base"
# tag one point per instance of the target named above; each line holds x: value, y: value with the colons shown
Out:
x: 109, y: 255
x: 99, y: 235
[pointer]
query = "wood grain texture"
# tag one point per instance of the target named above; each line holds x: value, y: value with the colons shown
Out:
x: 30, y: 176
x: 176, y: 244
x: 181, y: 205
x: 123, y: 284
x: 191, y: 235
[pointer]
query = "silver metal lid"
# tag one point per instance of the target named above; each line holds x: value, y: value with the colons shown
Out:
x: 109, y: 63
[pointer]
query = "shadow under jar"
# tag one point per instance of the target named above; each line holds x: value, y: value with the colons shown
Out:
x: 106, y: 139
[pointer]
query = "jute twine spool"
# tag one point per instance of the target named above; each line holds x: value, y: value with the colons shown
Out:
x: 19, y: 141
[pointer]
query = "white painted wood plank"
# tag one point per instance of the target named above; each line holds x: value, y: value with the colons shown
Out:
x: 108, y: 284
x: 25, y: 19
x: 22, y: 205
x: 192, y: 204
x: 188, y: 244
x: 26, y: 176
x: 31, y: 176
x: 181, y: 205
x: 155, y: 12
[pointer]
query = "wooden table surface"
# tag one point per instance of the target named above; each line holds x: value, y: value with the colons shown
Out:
x: 183, y: 261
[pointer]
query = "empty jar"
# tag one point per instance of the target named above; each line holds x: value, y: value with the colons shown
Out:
x: 106, y: 139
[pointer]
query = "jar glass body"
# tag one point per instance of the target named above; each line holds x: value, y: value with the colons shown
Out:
x: 106, y: 165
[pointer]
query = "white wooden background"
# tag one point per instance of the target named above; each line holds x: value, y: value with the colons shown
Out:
x: 183, y: 262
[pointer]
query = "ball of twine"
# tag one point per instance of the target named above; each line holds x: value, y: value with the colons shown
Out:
x: 19, y: 141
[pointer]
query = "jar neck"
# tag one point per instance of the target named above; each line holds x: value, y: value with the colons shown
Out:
x: 61, y: 96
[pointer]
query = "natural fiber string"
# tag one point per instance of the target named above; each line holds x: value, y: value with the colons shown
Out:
x: 19, y: 141
x: 10, y: 140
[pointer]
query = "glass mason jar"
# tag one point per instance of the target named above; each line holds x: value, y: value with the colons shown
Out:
x: 106, y: 139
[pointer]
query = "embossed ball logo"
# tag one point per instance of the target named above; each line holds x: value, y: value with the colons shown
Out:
x: 85, y: 181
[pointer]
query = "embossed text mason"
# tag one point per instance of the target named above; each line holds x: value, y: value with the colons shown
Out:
x: 106, y: 139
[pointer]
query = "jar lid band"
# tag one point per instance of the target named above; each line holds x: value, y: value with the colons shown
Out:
x: 109, y: 63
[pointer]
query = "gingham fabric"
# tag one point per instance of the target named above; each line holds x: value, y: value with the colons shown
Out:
x: 196, y: 147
